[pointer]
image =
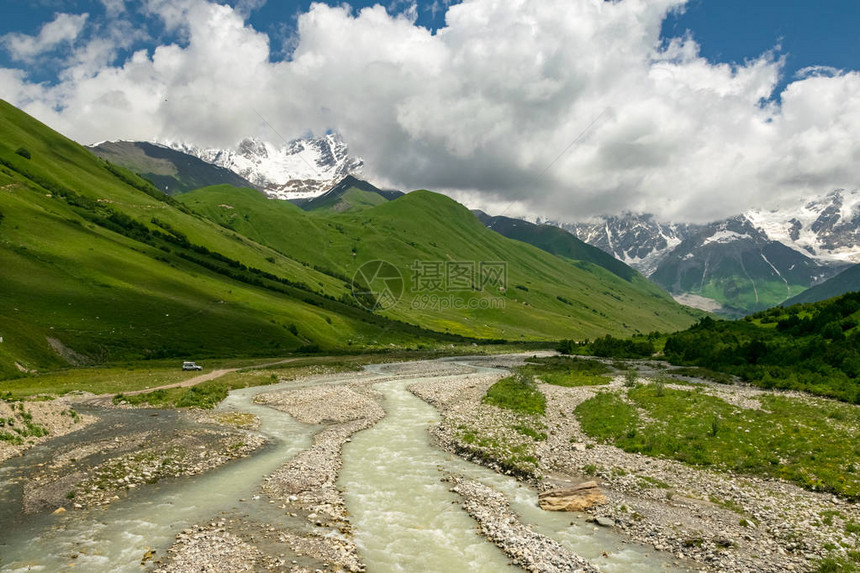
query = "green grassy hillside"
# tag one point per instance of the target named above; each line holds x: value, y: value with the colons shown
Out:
x: 544, y: 296
x: 95, y: 269
x: 352, y: 199
x: 100, y: 266
x: 350, y: 194
x: 813, y: 347
x: 844, y: 282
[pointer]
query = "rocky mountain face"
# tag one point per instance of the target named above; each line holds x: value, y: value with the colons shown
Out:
x: 637, y: 240
x: 737, y: 265
x: 742, y: 264
x: 171, y: 171
x: 827, y: 228
x: 301, y: 169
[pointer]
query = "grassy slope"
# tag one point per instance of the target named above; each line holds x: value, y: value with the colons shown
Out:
x: 789, y: 438
x: 846, y: 281
x: 424, y: 226
x: 812, y: 347
x: 107, y: 296
x: 353, y: 199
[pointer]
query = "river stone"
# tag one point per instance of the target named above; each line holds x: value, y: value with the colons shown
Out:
x: 578, y: 498
x: 604, y: 522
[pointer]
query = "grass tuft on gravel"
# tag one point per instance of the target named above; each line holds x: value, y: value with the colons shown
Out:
x: 567, y: 371
x: 518, y: 393
x: 788, y: 438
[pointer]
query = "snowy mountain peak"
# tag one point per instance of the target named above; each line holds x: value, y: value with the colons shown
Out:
x: 301, y: 169
x: 636, y: 239
x: 827, y: 228
x: 251, y: 148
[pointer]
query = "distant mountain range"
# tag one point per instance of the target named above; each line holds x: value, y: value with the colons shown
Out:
x: 301, y: 169
x: 556, y: 241
x: 742, y: 264
x: 736, y: 266
x: 637, y: 240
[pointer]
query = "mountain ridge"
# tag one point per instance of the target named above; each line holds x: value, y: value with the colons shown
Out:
x: 169, y: 170
x: 845, y: 282
x: 299, y: 169
x: 822, y: 232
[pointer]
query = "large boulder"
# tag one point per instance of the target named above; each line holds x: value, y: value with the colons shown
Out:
x: 577, y: 498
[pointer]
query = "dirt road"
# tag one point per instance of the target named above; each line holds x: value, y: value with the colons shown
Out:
x: 204, y: 378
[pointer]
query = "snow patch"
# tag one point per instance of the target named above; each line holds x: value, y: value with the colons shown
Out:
x: 723, y: 236
x: 300, y: 169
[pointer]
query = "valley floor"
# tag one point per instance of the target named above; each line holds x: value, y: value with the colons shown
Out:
x: 700, y: 519
x: 721, y: 520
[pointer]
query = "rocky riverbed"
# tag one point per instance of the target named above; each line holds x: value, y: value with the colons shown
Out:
x: 96, y: 470
x: 719, y: 520
x: 26, y: 424
x: 297, y: 519
x: 303, y: 491
x: 529, y: 550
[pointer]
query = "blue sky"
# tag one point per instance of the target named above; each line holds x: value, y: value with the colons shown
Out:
x: 572, y: 107
x: 807, y: 32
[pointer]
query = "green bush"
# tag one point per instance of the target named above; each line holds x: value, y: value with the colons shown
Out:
x: 811, y: 347
x: 630, y: 377
x: 566, y: 371
x: 23, y: 152
x: 518, y: 393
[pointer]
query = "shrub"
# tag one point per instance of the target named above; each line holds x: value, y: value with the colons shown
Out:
x: 630, y: 377
x: 23, y: 152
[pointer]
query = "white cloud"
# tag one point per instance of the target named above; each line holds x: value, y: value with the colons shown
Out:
x: 63, y: 29
x: 245, y: 7
x: 114, y: 8
x: 485, y: 107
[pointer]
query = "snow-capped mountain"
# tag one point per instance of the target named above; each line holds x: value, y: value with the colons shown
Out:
x: 302, y: 169
x: 736, y: 264
x: 637, y: 240
x: 826, y: 228
x: 745, y: 263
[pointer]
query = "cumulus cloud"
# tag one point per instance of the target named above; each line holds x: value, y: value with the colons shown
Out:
x: 567, y: 108
x: 114, y: 8
x: 63, y: 29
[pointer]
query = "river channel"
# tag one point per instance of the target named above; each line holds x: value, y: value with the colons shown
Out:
x: 403, y: 514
